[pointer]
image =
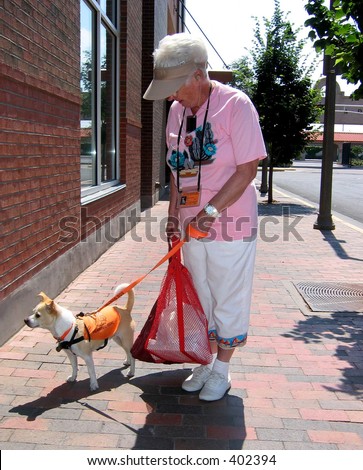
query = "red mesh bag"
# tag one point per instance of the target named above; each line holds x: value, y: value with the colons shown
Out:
x: 176, y: 330
x: 138, y: 350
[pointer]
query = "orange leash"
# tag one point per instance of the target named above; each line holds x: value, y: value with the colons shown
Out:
x: 191, y: 232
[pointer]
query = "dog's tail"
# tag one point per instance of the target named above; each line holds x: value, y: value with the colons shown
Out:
x: 130, y: 296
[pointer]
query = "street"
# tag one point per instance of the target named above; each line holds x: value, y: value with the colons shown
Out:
x: 303, y: 179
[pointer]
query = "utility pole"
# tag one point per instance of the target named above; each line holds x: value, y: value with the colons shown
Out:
x: 264, y: 171
x: 325, y: 220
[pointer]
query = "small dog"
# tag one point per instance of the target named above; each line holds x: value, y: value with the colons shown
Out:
x: 74, y: 334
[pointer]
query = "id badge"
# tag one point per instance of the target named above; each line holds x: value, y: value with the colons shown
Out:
x: 189, y: 197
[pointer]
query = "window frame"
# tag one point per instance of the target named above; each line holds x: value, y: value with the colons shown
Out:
x: 101, y: 189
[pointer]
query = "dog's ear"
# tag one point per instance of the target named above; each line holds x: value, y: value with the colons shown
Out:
x: 45, y: 298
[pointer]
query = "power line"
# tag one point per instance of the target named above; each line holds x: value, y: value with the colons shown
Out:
x: 191, y: 16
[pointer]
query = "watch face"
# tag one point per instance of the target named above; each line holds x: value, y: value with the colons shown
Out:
x: 211, y: 210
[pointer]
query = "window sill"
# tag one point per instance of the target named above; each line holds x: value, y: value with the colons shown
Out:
x: 97, y: 195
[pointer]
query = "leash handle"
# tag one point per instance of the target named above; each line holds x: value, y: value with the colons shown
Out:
x: 193, y: 232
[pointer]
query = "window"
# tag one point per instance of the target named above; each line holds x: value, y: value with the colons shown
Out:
x: 99, y: 95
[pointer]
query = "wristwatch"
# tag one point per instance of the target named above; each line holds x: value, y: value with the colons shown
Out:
x: 211, y: 210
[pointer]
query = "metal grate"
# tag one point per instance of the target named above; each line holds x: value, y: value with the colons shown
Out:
x: 332, y: 296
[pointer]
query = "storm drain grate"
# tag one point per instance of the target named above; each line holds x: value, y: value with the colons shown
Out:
x: 332, y: 296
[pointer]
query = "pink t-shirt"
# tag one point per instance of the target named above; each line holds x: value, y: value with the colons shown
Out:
x: 232, y: 137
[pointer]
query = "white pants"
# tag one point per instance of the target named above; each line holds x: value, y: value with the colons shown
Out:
x: 222, y: 273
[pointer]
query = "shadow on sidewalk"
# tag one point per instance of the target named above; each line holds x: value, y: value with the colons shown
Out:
x: 347, y: 331
x: 179, y: 420
x: 337, y: 245
x: 175, y: 419
x: 284, y: 209
x: 69, y: 393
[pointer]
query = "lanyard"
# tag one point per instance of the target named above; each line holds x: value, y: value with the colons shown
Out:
x: 201, y: 147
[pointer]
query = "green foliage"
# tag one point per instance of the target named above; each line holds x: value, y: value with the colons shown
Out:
x: 356, y: 161
x: 243, y: 76
x: 338, y: 32
x: 357, y: 151
x: 278, y: 83
x: 356, y: 155
x: 313, y: 151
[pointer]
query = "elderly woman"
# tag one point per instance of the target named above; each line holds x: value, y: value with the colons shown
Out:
x: 214, y: 146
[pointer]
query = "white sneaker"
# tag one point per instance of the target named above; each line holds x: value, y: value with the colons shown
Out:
x: 195, y: 382
x: 215, y: 387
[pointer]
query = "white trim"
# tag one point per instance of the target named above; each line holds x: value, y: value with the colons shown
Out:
x: 100, y: 192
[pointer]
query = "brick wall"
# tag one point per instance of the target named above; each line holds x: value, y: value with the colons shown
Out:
x: 39, y: 145
x: 40, y: 139
x: 41, y: 40
x: 39, y: 179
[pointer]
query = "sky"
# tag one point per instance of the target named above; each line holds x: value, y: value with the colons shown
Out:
x: 229, y: 26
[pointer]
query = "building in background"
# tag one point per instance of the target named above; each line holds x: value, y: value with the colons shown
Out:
x: 81, y: 154
x: 348, y: 127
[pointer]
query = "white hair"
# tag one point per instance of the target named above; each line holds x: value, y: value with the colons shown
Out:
x: 180, y: 48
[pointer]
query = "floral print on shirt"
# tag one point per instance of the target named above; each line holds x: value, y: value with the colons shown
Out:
x: 190, y: 155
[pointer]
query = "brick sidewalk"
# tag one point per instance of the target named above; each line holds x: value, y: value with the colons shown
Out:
x: 298, y: 384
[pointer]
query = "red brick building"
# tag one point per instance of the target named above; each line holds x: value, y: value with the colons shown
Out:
x: 79, y: 159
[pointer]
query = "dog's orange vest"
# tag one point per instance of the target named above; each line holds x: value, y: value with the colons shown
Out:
x: 101, y: 325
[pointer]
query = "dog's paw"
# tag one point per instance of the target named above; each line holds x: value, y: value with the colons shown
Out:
x: 126, y: 362
x: 93, y: 386
x: 71, y: 378
x: 130, y: 374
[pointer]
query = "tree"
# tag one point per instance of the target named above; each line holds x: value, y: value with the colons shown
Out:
x: 281, y: 90
x: 284, y: 96
x: 243, y: 76
x: 338, y: 31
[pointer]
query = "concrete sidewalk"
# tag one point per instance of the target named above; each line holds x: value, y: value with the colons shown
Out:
x: 298, y: 383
